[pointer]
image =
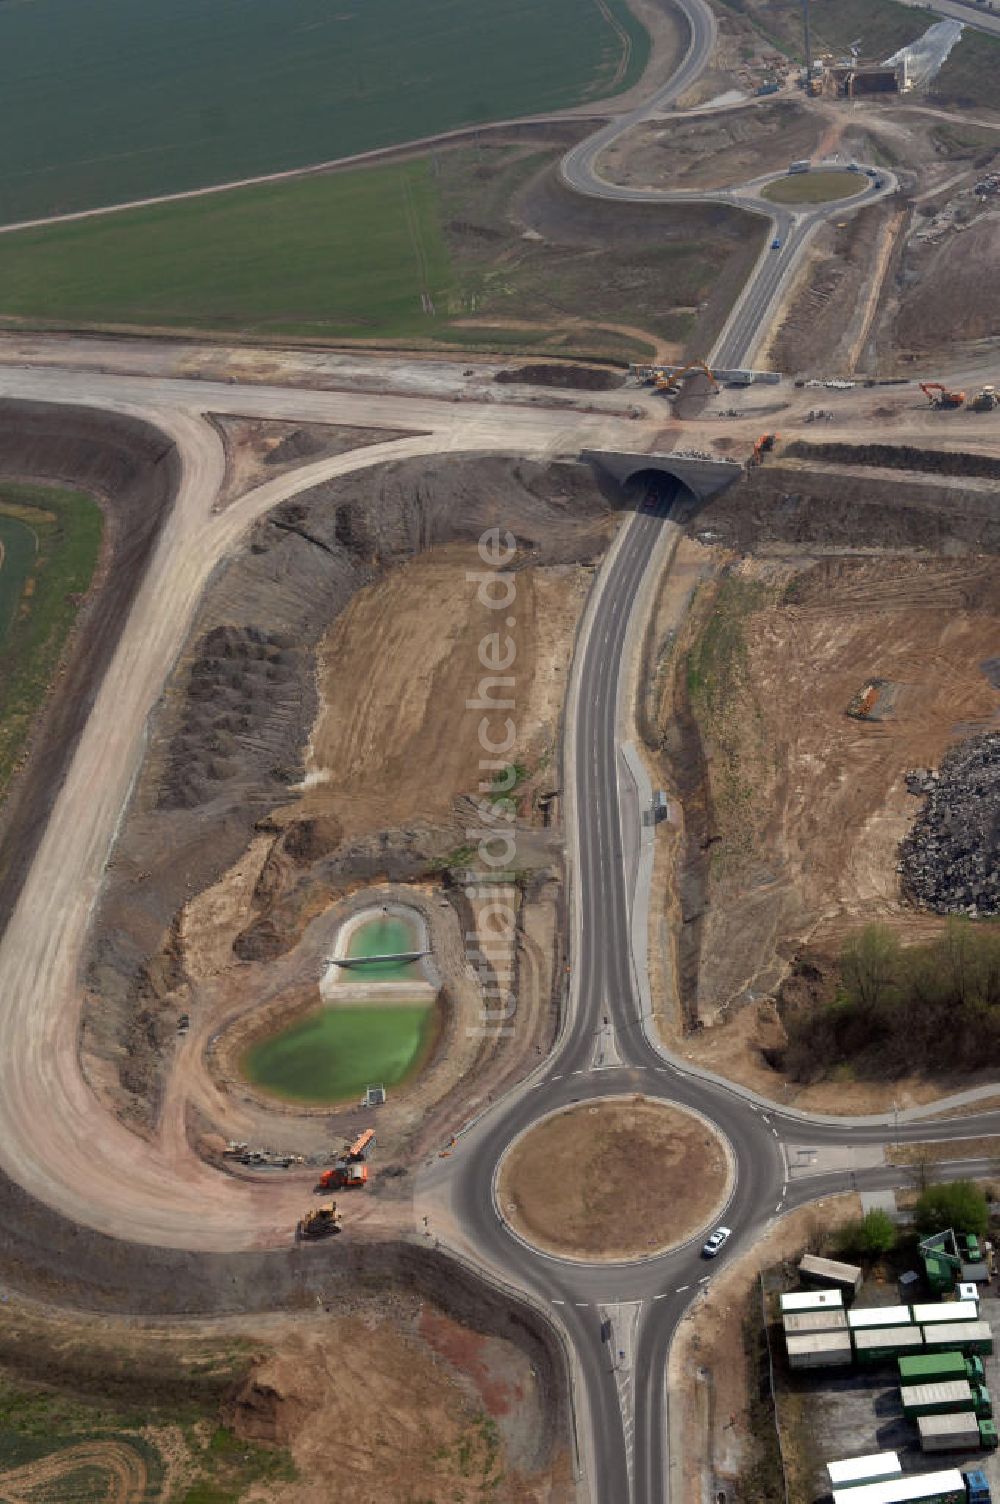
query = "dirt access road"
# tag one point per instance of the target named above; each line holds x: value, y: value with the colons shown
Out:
x: 49, y: 1120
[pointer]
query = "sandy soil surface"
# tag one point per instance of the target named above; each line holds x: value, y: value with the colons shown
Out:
x: 719, y: 150
x: 420, y: 1407
x: 575, y: 1183
x: 709, y: 1413
x: 257, y: 449
x: 444, y: 1405
x: 396, y: 736
x: 788, y: 835
x: 389, y: 764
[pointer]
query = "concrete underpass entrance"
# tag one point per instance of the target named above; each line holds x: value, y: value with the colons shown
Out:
x: 702, y: 475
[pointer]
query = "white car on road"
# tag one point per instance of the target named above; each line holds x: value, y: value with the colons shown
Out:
x: 717, y: 1241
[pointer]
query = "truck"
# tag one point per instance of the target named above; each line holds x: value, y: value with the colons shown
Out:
x: 944, y: 1396
x: 930, y: 1368
x: 853, y: 1471
x: 960, y: 1336
x: 947, y: 1487
x: 949, y: 1433
x: 883, y: 1344
x: 801, y: 166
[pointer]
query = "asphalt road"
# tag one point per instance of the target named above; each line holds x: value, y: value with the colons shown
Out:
x: 55, y: 1141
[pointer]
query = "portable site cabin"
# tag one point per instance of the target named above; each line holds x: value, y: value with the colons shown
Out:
x: 936, y: 1399
x: 873, y: 1316
x: 939, y: 1311
x: 811, y: 1300
x: 819, y: 1349
x: 816, y: 1271
x: 797, y: 1322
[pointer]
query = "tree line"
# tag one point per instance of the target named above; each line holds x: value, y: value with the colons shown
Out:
x: 932, y: 1008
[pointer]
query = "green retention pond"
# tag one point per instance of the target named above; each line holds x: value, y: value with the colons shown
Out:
x: 385, y: 935
x: 335, y: 1053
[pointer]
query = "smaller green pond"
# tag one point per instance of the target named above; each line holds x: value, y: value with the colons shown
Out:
x: 385, y: 935
x: 335, y: 1053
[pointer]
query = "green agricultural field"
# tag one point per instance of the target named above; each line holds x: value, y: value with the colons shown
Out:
x: 336, y: 1052
x: 51, y: 542
x: 815, y: 187
x: 428, y: 251
x: 110, y: 100
x: 344, y: 255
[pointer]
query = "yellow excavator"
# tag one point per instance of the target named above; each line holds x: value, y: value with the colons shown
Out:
x: 320, y: 1222
x: 668, y: 385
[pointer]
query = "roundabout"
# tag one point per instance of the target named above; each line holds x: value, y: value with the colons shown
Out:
x: 618, y: 1181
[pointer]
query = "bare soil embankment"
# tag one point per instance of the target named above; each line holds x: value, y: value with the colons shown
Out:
x: 814, y: 586
x: 132, y: 470
x: 458, y: 1395
x: 360, y: 573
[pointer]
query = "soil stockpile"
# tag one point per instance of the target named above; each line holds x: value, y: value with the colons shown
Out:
x: 899, y: 457
x: 780, y: 504
x: 951, y: 859
x: 620, y: 1179
x: 231, y: 736
x: 578, y: 378
x: 132, y: 470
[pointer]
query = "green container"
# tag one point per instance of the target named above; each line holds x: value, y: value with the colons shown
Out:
x: 983, y: 1402
x: 929, y: 1368
x: 988, y: 1434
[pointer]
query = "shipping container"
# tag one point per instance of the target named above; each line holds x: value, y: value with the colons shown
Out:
x: 819, y: 1350
x: 964, y: 1336
x: 936, y: 1399
x: 854, y: 1470
x: 949, y: 1433
x: 815, y: 1321
x: 912, y: 1488
x: 871, y: 1316
x: 988, y: 1437
x: 812, y: 1300
x: 928, y: 1368
x: 816, y: 1271
x: 886, y: 1342
x: 946, y: 1310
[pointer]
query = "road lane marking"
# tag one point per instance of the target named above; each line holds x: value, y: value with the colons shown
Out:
x: 681, y: 1288
x: 582, y: 1304
x: 555, y: 1078
x: 704, y: 1279
x: 558, y: 1302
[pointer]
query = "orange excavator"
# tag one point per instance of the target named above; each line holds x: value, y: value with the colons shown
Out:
x: 763, y: 446
x: 940, y: 396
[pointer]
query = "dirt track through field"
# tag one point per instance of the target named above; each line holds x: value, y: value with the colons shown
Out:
x: 126, y: 1480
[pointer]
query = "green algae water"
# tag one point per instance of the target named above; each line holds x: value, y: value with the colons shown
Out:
x: 385, y: 935
x: 334, y: 1054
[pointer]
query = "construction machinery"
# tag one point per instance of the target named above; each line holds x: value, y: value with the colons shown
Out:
x: 669, y: 384
x: 984, y: 401
x: 763, y: 446
x: 939, y: 396
x: 320, y: 1222
x: 350, y: 1173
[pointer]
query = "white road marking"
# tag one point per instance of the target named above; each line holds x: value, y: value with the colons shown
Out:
x: 704, y: 1279
x: 582, y: 1304
x: 681, y: 1288
x: 558, y: 1302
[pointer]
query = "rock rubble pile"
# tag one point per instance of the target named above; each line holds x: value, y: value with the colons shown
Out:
x: 950, y: 861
